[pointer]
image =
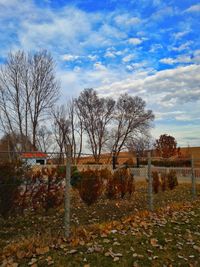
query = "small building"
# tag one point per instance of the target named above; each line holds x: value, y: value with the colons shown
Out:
x: 34, y: 158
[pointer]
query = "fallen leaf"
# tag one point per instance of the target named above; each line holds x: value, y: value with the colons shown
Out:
x: 196, y: 248
x: 21, y: 254
x: 154, y: 242
x: 42, y: 251
x: 73, y: 251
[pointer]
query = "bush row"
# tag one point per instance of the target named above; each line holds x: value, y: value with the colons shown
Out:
x: 21, y: 188
x: 94, y: 183
x: 164, y: 181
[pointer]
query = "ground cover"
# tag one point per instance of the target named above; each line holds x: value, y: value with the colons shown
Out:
x: 108, y: 233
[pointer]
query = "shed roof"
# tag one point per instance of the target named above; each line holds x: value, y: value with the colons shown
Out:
x: 33, y: 155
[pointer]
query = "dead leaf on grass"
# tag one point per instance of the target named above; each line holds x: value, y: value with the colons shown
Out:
x: 73, y: 251
x: 42, y: 251
x: 116, y: 259
x: 154, y: 242
x: 21, y: 254
x: 196, y: 248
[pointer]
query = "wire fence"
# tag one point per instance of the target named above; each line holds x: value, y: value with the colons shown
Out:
x: 51, y: 185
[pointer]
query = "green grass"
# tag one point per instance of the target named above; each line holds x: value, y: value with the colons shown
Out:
x: 175, y: 237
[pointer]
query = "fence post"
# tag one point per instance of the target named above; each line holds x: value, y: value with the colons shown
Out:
x: 67, y: 193
x: 113, y: 160
x: 193, y: 178
x: 150, y: 188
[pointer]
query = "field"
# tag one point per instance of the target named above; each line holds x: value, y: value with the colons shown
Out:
x: 108, y: 233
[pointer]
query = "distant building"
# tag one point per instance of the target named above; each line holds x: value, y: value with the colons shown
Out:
x: 34, y: 158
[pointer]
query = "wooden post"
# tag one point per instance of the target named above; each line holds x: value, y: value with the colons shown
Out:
x: 67, y: 193
x: 193, y: 178
x: 113, y: 160
x: 150, y: 188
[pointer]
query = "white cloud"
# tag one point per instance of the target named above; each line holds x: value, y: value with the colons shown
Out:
x: 179, y: 35
x: 179, y: 59
x: 99, y: 66
x: 68, y: 57
x: 110, y: 54
x: 183, y: 46
x: 194, y: 8
x: 92, y: 57
x: 173, y: 94
x: 155, y: 47
x: 125, y: 20
x: 167, y: 60
x: 128, y: 58
x: 135, y: 41
x: 162, y: 13
x: 180, y: 85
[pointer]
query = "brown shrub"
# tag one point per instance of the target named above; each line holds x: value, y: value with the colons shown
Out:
x: 11, y: 177
x: 156, y: 182
x: 172, y: 180
x: 121, y: 183
x: 42, y: 189
x: 90, y: 186
x: 164, y: 182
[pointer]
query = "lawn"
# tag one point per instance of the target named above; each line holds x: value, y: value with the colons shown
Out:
x: 109, y: 233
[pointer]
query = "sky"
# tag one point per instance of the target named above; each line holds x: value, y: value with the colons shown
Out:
x: 148, y: 48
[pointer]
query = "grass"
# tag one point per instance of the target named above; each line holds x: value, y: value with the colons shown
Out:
x: 173, y: 233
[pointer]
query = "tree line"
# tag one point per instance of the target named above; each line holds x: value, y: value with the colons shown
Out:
x: 32, y: 119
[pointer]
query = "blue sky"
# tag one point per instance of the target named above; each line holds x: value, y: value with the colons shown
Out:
x: 146, y: 48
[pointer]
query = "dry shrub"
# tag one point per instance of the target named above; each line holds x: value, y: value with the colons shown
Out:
x: 167, y: 181
x: 11, y: 177
x: 90, y: 186
x: 172, y: 180
x: 156, y: 182
x: 43, y: 189
x: 164, y: 182
x: 112, y: 188
x: 121, y: 183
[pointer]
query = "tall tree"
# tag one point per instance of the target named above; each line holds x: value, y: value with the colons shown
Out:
x: 61, y: 126
x: 44, y: 139
x: 96, y: 114
x: 139, y: 144
x: 28, y: 90
x: 130, y: 119
x: 68, y: 129
x: 166, y: 146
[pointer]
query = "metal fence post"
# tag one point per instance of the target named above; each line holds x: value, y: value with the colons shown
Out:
x: 67, y: 193
x: 193, y: 178
x: 150, y: 188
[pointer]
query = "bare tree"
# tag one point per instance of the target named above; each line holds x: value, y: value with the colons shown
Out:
x: 95, y: 113
x: 130, y: 119
x: 61, y: 126
x: 68, y: 129
x: 28, y: 90
x: 139, y: 145
x: 76, y: 126
x: 44, y: 138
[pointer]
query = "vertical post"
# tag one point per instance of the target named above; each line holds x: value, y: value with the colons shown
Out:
x: 138, y: 160
x: 67, y: 193
x: 113, y: 160
x: 193, y: 178
x: 150, y: 188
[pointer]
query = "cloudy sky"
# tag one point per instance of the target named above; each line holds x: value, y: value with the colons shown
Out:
x: 149, y: 48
